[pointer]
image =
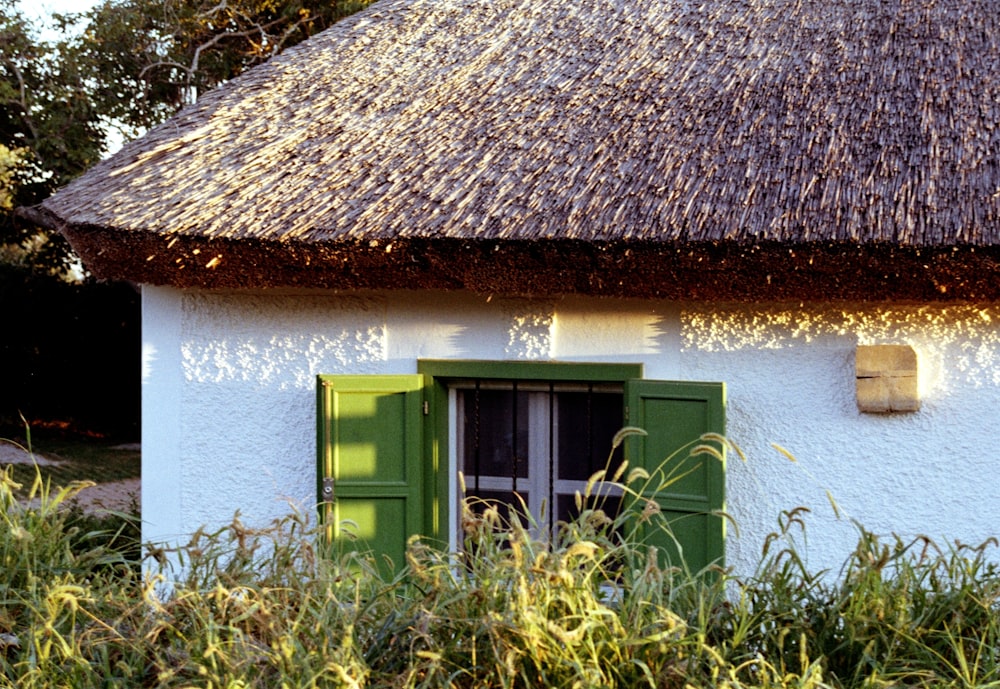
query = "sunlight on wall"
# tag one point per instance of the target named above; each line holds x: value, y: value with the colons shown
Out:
x: 148, y: 357
x: 955, y: 345
x: 434, y: 340
x: 611, y: 330
x: 530, y: 334
x: 280, y: 342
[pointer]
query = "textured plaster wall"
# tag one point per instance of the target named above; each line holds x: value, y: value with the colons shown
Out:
x: 249, y: 366
x: 229, y: 399
x: 789, y: 373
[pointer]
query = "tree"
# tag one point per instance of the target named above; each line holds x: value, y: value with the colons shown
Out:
x: 135, y: 63
x: 50, y: 132
x: 150, y: 57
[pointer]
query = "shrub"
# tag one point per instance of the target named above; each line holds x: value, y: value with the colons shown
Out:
x: 586, y: 606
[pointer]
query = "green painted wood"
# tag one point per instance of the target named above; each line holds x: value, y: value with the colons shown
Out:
x: 371, y: 446
x: 690, y: 490
x: 558, y: 371
x: 388, y: 459
x: 438, y: 507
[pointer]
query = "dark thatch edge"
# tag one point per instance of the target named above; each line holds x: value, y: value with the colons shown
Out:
x: 717, y: 271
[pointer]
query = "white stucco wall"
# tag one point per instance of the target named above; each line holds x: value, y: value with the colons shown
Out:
x: 229, y: 399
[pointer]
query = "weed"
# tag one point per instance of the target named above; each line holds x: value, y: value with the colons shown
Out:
x: 590, y: 604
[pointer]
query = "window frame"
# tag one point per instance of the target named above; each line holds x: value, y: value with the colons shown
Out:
x: 397, y: 478
x: 440, y: 475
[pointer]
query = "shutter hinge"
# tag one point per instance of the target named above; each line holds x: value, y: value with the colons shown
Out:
x: 626, y: 414
x: 427, y: 408
x: 327, y: 489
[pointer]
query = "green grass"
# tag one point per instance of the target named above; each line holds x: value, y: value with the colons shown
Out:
x: 279, y: 607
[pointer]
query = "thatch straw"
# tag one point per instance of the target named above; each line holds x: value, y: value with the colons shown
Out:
x: 817, y: 124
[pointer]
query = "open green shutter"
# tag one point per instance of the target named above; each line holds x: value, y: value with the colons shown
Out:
x: 370, y: 469
x: 676, y: 415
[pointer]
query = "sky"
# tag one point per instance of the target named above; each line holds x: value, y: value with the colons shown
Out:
x: 40, y: 11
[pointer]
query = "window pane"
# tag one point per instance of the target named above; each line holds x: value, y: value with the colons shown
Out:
x: 562, y: 431
x: 587, y: 424
x: 489, y: 427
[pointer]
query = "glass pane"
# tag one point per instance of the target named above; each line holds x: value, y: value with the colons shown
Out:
x: 488, y: 434
x: 587, y: 424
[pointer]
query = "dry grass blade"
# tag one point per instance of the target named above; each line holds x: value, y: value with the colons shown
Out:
x: 276, y: 605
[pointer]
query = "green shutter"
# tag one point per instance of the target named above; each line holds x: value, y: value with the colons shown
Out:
x: 369, y: 445
x: 675, y: 415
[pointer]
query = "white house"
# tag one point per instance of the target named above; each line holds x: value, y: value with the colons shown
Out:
x: 443, y: 225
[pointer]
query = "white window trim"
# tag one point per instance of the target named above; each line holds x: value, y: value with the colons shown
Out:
x: 538, y: 447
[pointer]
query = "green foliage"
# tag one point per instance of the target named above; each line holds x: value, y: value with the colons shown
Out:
x: 585, y: 607
x: 50, y: 132
x: 148, y: 57
x: 135, y: 63
x: 903, y: 612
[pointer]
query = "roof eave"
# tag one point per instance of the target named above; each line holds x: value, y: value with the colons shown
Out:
x: 723, y: 271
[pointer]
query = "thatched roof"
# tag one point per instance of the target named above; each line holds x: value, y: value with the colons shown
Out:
x: 743, y: 149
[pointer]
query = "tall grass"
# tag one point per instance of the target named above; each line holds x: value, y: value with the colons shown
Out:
x: 584, y: 606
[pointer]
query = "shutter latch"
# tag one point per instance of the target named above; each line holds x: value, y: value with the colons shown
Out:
x: 327, y: 489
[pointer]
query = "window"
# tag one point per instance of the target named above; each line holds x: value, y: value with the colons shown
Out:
x: 391, y: 447
x: 539, y: 440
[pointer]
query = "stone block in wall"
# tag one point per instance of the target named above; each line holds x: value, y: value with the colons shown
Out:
x: 886, y: 378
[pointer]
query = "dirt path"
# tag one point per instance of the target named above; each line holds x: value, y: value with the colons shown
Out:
x: 13, y: 454
x: 118, y: 496
x: 113, y: 495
